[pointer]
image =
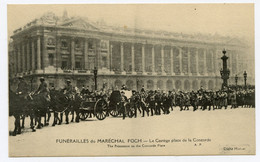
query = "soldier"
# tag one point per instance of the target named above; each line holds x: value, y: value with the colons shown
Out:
x: 233, y: 98
x: 193, y: 100
x: 225, y: 99
x: 52, y: 88
x: 122, y: 104
x: 68, y: 90
x: 22, y: 87
x: 83, y: 91
x: 43, y: 89
x: 142, y: 89
x: 123, y: 87
x: 186, y: 101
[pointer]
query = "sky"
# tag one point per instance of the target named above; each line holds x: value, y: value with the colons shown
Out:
x: 223, y: 19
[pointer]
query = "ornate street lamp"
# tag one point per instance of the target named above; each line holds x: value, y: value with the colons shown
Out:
x: 245, y: 77
x: 236, y: 78
x: 95, y: 77
x: 225, y: 71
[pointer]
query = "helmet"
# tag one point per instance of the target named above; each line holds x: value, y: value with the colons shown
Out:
x: 41, y: 78
x: 68, y: 81
x: 20, y: 77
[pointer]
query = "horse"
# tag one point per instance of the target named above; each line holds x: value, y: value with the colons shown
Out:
x: 59, y: 103
x: 40, y: 103
x: 20, y: 106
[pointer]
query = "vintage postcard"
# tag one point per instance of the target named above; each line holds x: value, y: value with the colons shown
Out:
x: 131, y: 79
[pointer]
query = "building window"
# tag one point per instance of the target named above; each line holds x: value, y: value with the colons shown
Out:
x: 90, y: 45
x: 104, y: 61
x: 64, y: 43
x: 77, y: 44
x: 103, y: 45
x: 78, y: 65
x: 51, y: 41
x: 64, y: 65
x: 51, y: 59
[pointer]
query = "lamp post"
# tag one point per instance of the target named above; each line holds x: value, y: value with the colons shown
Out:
x: 95, y: 77
x: 225, y: 71
x: 236, y: 78
x: 245, y: 78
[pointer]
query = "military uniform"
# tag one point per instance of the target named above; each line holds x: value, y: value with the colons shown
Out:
x: 68, y: 90
x: 22, y: 88
x: 43, y: 90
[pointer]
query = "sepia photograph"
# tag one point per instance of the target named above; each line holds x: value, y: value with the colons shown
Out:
x: 131, y: 79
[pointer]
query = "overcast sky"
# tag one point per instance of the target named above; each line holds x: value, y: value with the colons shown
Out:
x: 223, y: 19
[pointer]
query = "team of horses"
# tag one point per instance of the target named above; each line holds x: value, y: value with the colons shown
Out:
x: 36, y: 107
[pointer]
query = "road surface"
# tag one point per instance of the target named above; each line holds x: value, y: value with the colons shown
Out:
x: 209, y: 132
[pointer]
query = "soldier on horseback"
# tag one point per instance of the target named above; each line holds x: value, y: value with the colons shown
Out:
x: 18, y: 104
x: 43, y: 90
x: 22, y: 88
x: 42, y: 101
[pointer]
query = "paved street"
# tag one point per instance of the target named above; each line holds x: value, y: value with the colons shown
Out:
x: 234, y: 127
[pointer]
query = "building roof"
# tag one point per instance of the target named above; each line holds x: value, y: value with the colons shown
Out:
x: 83, y: 23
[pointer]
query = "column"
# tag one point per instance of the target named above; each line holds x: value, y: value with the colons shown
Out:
x: 237, y: 63
x: 28, y: 56
x: 86, y: 53
x: 72, y: 53
x: 14, y: 54
x: 111, y: 57
x: 108, y: 57
x: 45, y: 58
x: 33, y: 55
x: 143, y: 58
x: 211, y: 62
x: 98, y: 54
x: 23, y: 56
x: 197, y: 61
x: 214, y: 61
x: 171, y: 52
x: 19, y: 58
x: 38, y: 53
x: 180, y: 60
x: 189, y: 64
x: 231, y: 62
x: 219, y: 62
x: 162, y: 55
x: 205, y: 62
x: 122, y: 56
x: 153, y: 61
x: 58, y: 53
x: 133, y: 58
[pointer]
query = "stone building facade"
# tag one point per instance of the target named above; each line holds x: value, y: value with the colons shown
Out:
x: 61, y: 48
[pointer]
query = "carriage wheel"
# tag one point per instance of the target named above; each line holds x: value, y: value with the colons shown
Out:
x: 130, y: 111
x: 84, y: 115
x: 100, y: 109
x: 114, y: 112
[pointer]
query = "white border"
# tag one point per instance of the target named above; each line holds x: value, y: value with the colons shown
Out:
x: 4, y: 87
